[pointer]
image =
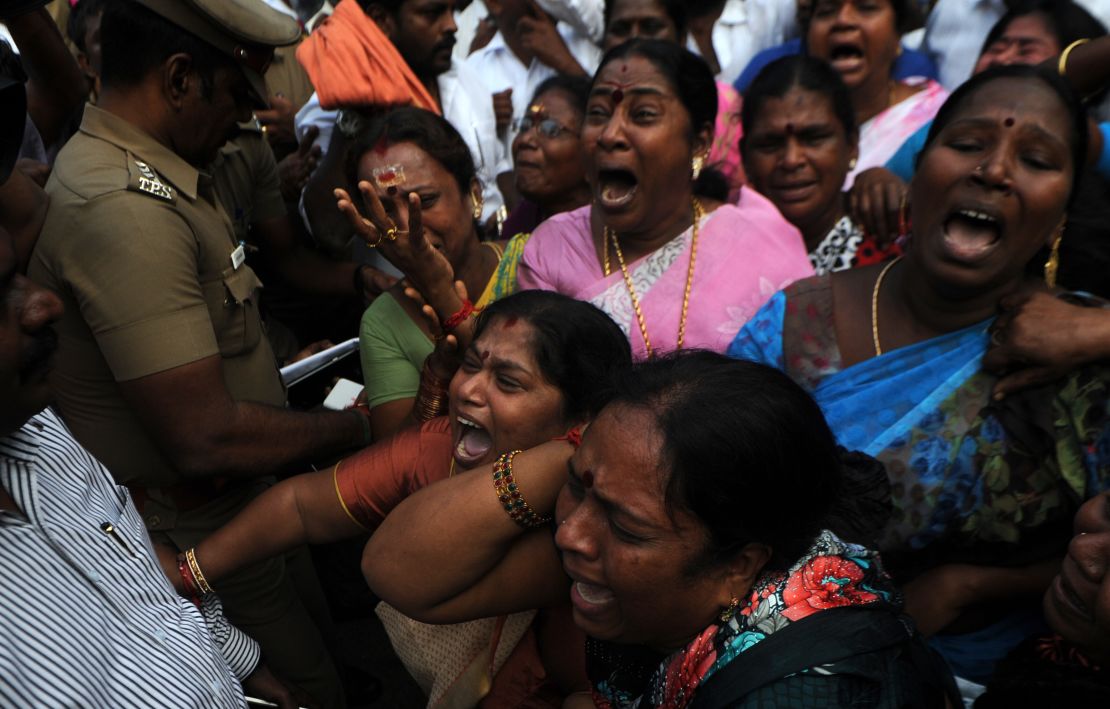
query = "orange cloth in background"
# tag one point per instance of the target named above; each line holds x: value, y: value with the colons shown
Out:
x: 353, y: 64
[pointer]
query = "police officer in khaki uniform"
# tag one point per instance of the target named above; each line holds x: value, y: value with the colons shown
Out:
x: 163, y: 370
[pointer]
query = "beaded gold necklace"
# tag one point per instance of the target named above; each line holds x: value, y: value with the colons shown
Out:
x: 610, y: 236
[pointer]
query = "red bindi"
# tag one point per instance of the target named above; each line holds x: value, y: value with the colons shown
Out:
x: 618, y: 95
x: 624, y: 68
x: 510, y: 321
x: 1009, y: 122
x: 380, y: 147
x: 790, y: 129
x: 587, y: 479
x: 485, y: 355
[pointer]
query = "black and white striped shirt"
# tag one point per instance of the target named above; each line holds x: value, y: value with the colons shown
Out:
x: 87, y: 617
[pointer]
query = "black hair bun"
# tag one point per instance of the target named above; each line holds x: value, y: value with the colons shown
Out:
x: 862, y: 507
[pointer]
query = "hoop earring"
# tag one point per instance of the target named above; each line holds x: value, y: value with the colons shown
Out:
x: 730, y: 612
x: 1052, y: 265
x: 696, y: 166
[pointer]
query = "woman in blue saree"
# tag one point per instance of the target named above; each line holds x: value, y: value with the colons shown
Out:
x: 984, y: 490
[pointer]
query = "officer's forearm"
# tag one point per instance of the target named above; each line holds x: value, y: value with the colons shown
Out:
x: 259, y: 439
x: 203, y: 431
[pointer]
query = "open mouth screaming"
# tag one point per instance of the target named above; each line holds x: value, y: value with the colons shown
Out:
x: 971, y: 234
x: 616, y: 188
x: 846, y: 57
x: 472, y: 444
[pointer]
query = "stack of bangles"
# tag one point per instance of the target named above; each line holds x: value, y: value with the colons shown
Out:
x: 192, y: 578
x: 431, y: 398
x: 508, y: 493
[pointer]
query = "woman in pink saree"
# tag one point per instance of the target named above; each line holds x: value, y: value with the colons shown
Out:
x: 656, y: 249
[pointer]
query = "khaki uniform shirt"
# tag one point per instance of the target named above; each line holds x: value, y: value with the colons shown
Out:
x: 246, y: 180
x: 139, y: 250
x: 286, y: 77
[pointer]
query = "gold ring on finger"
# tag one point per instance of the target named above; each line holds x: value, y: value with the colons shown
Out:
x: 391, y: 233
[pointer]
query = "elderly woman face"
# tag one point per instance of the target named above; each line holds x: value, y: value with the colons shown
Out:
x: 628, y: 556
x: 797, y: 155
x: 639, y: 147
x: 859, y: 38
x: 547, y: 152
x: 992, y: 187
x: 1077, y: 604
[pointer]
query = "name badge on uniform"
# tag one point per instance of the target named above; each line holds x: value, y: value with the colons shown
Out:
x: 238, y: 256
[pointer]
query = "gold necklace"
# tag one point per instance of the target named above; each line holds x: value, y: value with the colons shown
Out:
x: 611, y: 236
x: 875, y: 305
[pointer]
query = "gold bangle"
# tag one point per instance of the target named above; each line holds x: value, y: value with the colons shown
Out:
x: 191, y: 559
x: 510, y: 496
x: 1062, y: 65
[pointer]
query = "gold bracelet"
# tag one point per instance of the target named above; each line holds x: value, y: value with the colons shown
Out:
x: 1062, y: 65
x: 191, y: 558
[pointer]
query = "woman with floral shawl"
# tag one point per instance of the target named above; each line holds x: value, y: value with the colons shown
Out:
x: 698, y: 581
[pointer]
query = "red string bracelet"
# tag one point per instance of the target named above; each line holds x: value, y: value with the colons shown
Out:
x: 573, y: 437
x: 461, y: 315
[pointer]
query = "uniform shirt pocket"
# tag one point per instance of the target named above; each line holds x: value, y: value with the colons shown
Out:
x: 233, y: 304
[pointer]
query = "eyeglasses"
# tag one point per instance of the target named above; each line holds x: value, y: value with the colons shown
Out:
x: 548, y: 127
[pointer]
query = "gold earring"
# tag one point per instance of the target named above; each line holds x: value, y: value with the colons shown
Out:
x: 852, y: 164
x: 1052, y: 265
x: 696, y: 166
x: 477, y: 208
x: 728, y: 613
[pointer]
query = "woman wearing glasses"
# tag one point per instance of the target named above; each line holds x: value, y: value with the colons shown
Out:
x: 547, y: 154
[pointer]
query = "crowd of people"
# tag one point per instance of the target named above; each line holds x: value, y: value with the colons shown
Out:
x: 712, y: 353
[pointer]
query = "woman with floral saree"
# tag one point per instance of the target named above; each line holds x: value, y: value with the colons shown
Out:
x: 984, y: 489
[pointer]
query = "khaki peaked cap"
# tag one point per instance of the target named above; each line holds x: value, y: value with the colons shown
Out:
x: 248, y: 30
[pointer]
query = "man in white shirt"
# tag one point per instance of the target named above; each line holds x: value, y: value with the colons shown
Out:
x: 530, y: 46
x: 90, y: 619
x: 956, y: 29
x: 738, y: 30
x: 423, y: 31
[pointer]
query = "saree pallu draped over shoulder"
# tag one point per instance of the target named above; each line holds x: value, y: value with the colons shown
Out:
x: 745, y: 254
x: 973, y: 480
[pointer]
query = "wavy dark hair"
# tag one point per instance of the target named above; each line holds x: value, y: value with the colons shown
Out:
x: 693, y: 84
x: 579, y: 349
